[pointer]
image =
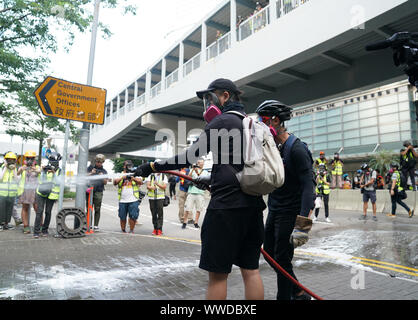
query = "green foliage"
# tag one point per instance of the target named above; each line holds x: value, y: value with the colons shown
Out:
x: 118, y: 163
x: 382, y: 160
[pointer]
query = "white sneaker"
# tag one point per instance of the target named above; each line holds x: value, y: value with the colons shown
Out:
x: 328, y: 220
x: 314, y: 219
x: 96, y: 229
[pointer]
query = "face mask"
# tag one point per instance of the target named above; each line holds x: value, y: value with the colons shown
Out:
x: 211, y: 105
x: 272, y: 129
x: 30, y: 162
x: 11, y: 165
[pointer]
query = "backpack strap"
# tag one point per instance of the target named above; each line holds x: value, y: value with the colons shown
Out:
x: 287, y: 148
x: 237, y: 113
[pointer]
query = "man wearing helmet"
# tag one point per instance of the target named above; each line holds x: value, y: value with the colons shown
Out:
x: 397, y: 191
x: 28, y: 173
x: 408, y: 161
x: 95, y: 171
x: 290, y: 203
x: 321, y: 160
x: 232, y: 230
x: 47, y: 193
x: 367, y: 184
x: 8, y: 189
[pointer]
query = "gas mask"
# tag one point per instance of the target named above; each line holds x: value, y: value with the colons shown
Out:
x: 11, y: 164
x: 54, y: 164
x: 30, y: 162
x: 211, y: 106
x: 264, y: 120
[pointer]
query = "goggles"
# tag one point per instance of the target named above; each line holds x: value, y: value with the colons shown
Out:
x: 11, y: 161
x: 265, y: 119
x: 210, y: 99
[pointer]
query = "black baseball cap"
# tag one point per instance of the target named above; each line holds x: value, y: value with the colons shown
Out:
x: 220, y: 84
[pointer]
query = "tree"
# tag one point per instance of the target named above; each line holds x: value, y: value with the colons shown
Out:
x: 27, y: 25
x: 25, y: 119
x: 118, y: 163
x: 382, y: 160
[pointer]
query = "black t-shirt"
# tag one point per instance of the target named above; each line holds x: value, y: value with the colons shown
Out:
x: 97, y: 184
x: 297, y: 193
x: 226, y: 191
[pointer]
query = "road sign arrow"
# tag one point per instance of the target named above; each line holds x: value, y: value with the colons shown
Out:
x: 42, y: 96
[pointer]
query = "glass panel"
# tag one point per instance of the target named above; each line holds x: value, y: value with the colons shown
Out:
x: 389, y: 128
x: 351, y: 134
x: 334, y: 120
x: 320, y: 123
x: 335, y: 144
x: 390, y: 137
x: 350, y: 116
x: 335, y: 136
x: 333, y: 112
x: 405, y: 135
x: 336, y: 127
x: 368, y: 113
x: 352, y: 142
x: 367, y: 104
x: 308, y: 140
x: 368, y: 122
x: 404, y: 106
x: 320, y: 115
x: 306, y: 133
x: 404, y: 96
x: 368, y: 131
x: 306, y: 125
x: 369, y: 140
x: 320, y: 146
x: 305, y: 118
x: 387, y: 100
x: 350, y: 108
x: 351, y: 125
x: 318, y: 139
x: 390, y: 118
x: 388, y: 109
x: 405, y: 126
x: 293, y: 121
x: 321, y: 130
x: 296, y: 132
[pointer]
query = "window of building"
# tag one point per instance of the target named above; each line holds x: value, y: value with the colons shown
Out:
x: 405, y: 135
x: 319, y: 139
x: 307, y: 140
x: 389, y: 128
x: 320, y: 123
x: 350, y: 116
x: 306, y: 125
x: 333, y: 112
x: 368, y: 113
x: 352, y: 142
x: 321, y: 130
x: 390, y: 137
x: 333, y: 120
x: 305, y: 118
x: 335, y: 127
x: 368, y: 122
x: 390, y: 118
x: 404, y: 106
x: 306, y: 133
x: 367, y: 104
x: 335, y: 136
x: 351, y: 134
x: 387, y: 100
x: 405, y: 125
x: 320, y: 146
x: 389, y: 109
x: 369, y: 140
x: 368, y: 131
x: 350, y: 108
x: 320, y: 115
x: 351, y: 125
x: 335, y: 144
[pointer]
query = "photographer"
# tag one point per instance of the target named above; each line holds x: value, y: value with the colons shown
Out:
x: 129, y: 197
x: 368, y: 189
x: 196, y: 197
x: 356, y: 179
x: 322, y: 190
x: 8, y: 189
x: 397, y: 192
x: 337, y: 171
x: 98, y: 187
x: 47, y: 194
x: 408, y: 162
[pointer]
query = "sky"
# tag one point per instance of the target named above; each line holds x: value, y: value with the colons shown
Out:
x: 137, y: 41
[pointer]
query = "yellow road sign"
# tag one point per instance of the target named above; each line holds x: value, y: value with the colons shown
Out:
x: 72, y: 101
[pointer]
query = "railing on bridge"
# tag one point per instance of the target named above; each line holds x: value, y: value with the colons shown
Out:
x: 172, y: 78
x: 254, y: 24
x: 219, y: 46
x: 191, y: 65
x: 247, y: 28
x: 156, y: 90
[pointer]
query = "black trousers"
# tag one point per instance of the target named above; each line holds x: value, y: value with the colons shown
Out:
x: 397, y: 199
x: 157, y: 211
x: 325, y: 199
x: 172, y: 190
x: 279, y: 227
x: 411, y: 173
x: 43, y: 204
x: 6, y: 209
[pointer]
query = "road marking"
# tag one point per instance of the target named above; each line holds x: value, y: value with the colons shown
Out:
x: 365, y: 261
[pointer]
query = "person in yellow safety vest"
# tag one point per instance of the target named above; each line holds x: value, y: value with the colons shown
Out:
x: 8, y: 189
x: 396, y: 191
x: 156, y: 185
x: 129, y: 197
x: 47, y: 193
x: 321, y: 160
x: 29, y: 174
x: 322, y: 191
x: 337, y: 171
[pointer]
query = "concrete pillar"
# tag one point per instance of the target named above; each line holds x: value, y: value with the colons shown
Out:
x: 181, y: 60
x: 111, y: 111
x: 148, y: 86
x: 233, y: 22
x: 163, y: 73
x: 135, y: 93
x: 273, y: 11
x: 118, y: 105
x: 126, y: 97
x: 203, y: 54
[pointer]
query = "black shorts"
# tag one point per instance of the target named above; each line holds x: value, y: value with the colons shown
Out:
x: 231, y: 236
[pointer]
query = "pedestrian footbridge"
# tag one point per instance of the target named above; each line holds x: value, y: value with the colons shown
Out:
x: 296, y: 51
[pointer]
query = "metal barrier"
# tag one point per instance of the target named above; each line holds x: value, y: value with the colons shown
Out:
x: 255, y: 23
x: 219, y: 46
x: 191, y: 65
x: 156, y: 90
x: 172, y: 78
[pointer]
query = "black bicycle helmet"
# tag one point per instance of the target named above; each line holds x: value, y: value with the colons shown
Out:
x: 394, y: 165
x: 271, y: 108
x: 54, y: 156
x: 364, y: 166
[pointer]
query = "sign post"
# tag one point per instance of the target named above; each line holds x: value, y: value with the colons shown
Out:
x: 74, y: 102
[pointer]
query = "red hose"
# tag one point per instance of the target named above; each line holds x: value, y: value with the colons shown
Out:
x: 265, y: 254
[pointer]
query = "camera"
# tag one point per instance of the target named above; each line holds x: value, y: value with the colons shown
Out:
x: 48, y: 168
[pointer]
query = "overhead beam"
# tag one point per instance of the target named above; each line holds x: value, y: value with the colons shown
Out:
x: 218, y: 26
x: 247, y: 3
x: 334, y: 57
x: 385, y: 31
x: 295, y: 74
x: 192, y: 44
x: 261, y: 87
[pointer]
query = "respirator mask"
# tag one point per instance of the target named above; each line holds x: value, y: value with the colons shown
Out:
x: 11, y: 164
x: 211, y: 106
x: 30, y: 162
x: 266, y: 120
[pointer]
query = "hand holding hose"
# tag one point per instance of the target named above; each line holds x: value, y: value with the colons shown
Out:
x: 203, y: 182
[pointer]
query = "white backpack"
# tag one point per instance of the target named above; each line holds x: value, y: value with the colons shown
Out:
x: 263, y: 166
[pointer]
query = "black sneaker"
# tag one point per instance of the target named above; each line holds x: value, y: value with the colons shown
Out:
x: 411, y: 213
x: 303, y: 296
x: 183, y: 226
x: 196, y: 226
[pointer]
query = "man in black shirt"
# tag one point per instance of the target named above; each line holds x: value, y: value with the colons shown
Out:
x: 232, y: 230
x: 294, y: 198
x: 95, y: 171
x: 408, y: 162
